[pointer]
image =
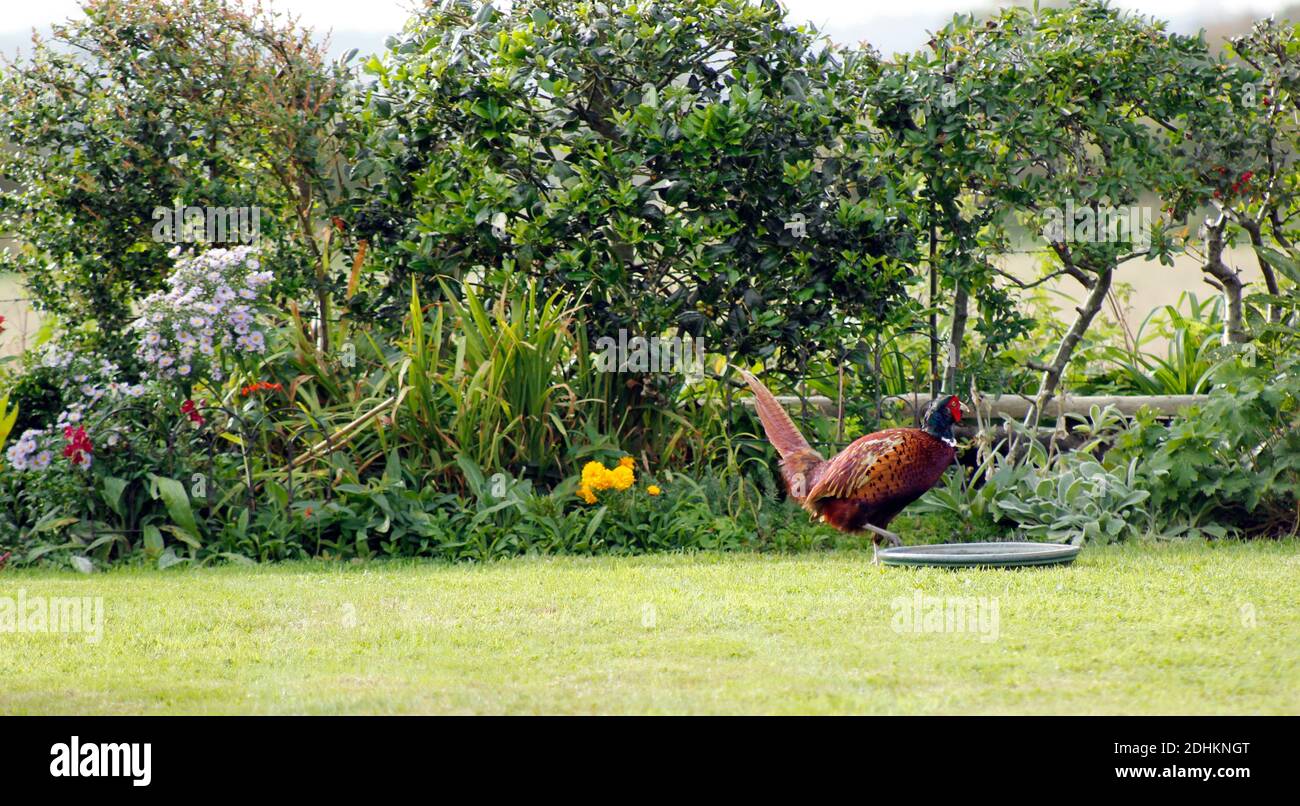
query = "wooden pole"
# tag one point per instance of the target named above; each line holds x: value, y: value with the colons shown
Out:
x: 1018, y: 407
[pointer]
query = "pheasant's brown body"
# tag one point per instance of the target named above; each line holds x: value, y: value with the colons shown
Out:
x: 873, y: 479
x: 869, y: 482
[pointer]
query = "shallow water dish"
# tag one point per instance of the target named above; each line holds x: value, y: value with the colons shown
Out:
x: 988, y: 555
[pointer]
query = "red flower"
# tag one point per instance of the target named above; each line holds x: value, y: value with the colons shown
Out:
x: 261, y: 386
x: 78, y: 449
x: 2, y: 324
x: 192, y: 411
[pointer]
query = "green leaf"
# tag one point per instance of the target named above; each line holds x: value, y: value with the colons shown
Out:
x: 169, y: 558
x: 184, y: 536
x: 113, y: 491
x: 177, y: 502
x: 49, y: 525
x: 153, y: 540
x: 1283, y: 263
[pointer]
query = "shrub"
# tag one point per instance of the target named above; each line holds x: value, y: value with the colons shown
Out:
x: 1234, y: 459
x: 137, y: 106
x: 650, y: 157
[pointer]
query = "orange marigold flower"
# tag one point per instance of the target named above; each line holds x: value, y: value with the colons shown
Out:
x: 653, y: 489
x: 586, y: 494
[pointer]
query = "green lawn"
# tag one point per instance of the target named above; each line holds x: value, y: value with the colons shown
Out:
x: 1146, y: 628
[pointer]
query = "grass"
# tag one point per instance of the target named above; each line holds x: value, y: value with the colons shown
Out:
x: 1143, y: 628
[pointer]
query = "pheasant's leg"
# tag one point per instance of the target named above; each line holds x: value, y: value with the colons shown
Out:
x: 894, y: 540
x: 875, y: 553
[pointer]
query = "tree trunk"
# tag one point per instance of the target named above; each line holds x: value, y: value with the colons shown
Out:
x: 1052, y: 372
x: 934, y: 316
x: 960, y: 313
x: 1270, y: 277
x: 1228, y: 281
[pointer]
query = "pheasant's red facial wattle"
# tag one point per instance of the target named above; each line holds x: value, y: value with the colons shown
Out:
x: 954, y: 408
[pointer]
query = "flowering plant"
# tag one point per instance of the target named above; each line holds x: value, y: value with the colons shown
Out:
x: 191, y: 410
x: 89, y: 382
x: 260, y: 386
x: 595, y: 477
x: 91, y: 386
x: 79, y: 450
x: 208, y: 313
x: 34, y: 450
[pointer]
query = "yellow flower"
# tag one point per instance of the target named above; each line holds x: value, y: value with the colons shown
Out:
x: 586, y: 494
x: 622, y: 477
x: 627, y: 461
x: 595, y: 476
x: 653, y: 489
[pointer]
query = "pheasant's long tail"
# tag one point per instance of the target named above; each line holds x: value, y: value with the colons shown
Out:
x: 798, y: 459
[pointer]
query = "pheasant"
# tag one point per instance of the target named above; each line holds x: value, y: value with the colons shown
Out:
x: 863, y: 487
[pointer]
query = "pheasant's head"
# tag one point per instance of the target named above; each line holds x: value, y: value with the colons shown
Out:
x: 940, y: 415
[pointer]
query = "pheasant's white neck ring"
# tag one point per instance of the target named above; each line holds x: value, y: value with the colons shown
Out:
x: 951, y: 442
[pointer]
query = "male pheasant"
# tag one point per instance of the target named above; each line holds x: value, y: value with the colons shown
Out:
x: 864, y: 486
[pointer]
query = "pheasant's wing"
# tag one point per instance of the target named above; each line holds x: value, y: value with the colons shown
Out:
x: 865, y: 463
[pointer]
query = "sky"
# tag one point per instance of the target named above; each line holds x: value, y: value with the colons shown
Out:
x: 890, y: 26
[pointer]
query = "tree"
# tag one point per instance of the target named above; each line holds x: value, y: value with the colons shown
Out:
x: 696, y: 166
x: 141, y: 106
x: 940, y: 113
x: 1092, y: 102
x: 1247, y: 157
